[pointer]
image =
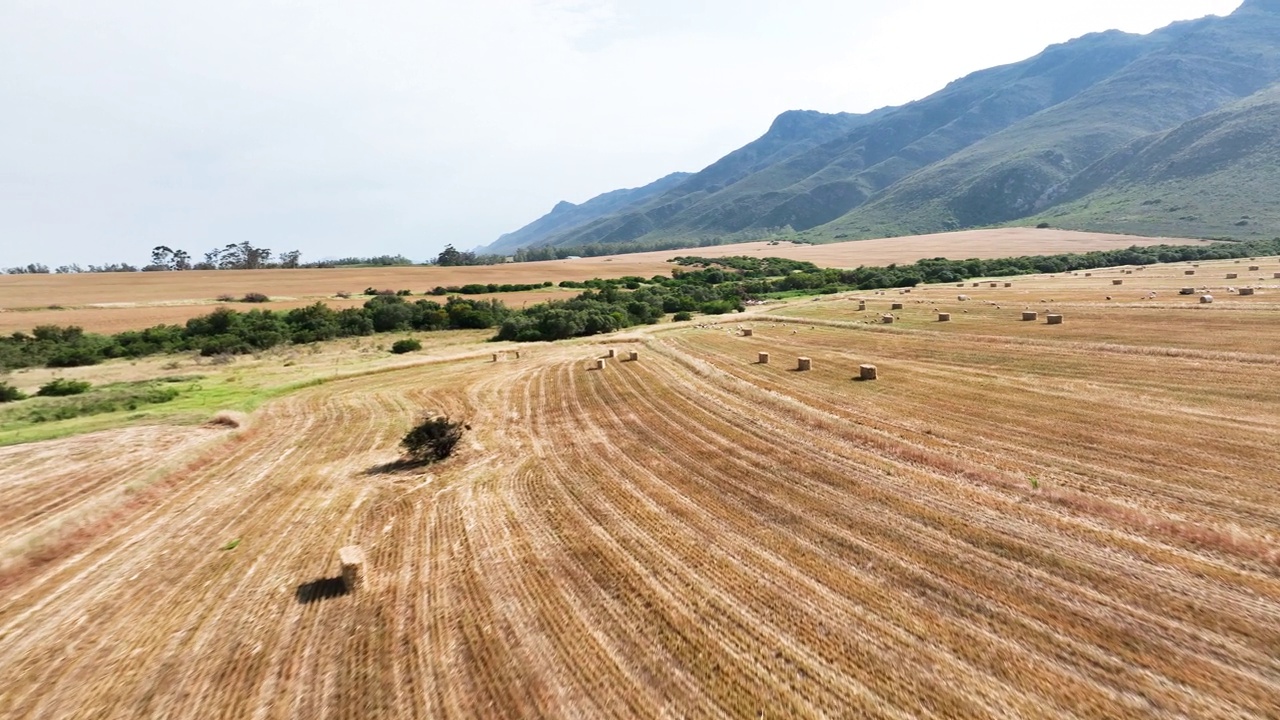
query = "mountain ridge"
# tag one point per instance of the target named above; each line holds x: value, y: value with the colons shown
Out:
x: 997, y: 146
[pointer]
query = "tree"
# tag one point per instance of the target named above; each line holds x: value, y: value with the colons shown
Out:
x: 432, y: 440
x: 161, y: 258
x: 451, y: 256
x: 290, y: 259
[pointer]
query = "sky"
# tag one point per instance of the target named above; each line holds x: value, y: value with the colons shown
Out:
x: 399, y: 126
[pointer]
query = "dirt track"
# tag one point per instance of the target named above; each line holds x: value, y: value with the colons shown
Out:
x: 1007, y: 524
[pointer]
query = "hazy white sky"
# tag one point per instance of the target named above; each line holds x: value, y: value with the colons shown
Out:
x: 397, y: 126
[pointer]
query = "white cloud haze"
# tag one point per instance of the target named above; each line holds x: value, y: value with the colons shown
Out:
x: 388, y: 126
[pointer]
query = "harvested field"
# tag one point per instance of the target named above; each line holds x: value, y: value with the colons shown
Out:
x: 1012, y: 521
x: 150, y: 297
x: 112, y: 318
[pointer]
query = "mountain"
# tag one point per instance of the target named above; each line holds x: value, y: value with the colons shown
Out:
x: 1212, y: 176
x: 1063, y: 136
x: 566, y: 215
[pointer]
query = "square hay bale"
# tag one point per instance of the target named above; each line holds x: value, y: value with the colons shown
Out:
x: 1188, y: 272
x: 1053, y: 319
x: 959, y: 284
x: 1128, y: 272
x: 1117, y: 282
x: 995, y: 284
x: 1030, y: 315
x: 944, y: 317
x: 635, y: 355
x: 867, y: 372
x: 1232, y: 276
x: 1187, y: 291
x: 862, y: 304
x: 1088, y: 274
x: 1275, y: 276
x: 804, y: 364
x: 762, y: 358
x: 1254, y: 268
x: 353, y: 570
x: 599, y: 363
x: 496, y: 357
x: 887, y: 319
x: 1008, y: 284
x: 613, y: 353
x: 1246, y: 291
x: 977, y: 284
x: 747, y: 332
x: 895, y: 306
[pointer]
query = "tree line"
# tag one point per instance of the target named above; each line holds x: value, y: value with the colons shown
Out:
x: 705, y: 285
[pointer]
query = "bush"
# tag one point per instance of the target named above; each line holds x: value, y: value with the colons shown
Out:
x: 406, y: 345
x: 682, y: 316
x: 61, y: 387
x: 226, y: 297
x: 254, y: 297
x: 1043, y: 226
x: 9, y: 393
x: 432, y: 440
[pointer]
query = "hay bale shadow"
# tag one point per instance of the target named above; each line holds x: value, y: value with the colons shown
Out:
x: 322, y: 589
x: 394, y: 467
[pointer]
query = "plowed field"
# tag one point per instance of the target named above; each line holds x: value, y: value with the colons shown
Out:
x: 1015, y: 520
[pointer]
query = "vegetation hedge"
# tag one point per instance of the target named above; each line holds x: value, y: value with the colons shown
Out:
x: 716, y: 285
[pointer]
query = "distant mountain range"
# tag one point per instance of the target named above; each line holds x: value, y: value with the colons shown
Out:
x: 1176, y: 132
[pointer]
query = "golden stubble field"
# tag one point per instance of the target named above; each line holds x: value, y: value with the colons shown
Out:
x: 112, y: 302
x: 1015, y: 520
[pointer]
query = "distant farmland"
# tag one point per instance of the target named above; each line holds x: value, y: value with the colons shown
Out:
x: 112, y: 302
x: 1016, y: 519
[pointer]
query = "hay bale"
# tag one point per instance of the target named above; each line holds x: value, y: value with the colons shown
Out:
x: 977, y: 284
x: 1030, y: 315
x: 867, y: 372
x: 962, y: 298
x: 1128, y: 272
x: 1275, y: 276
x: 1053, y: 319
x: 895, y: 306
x: 1117, y: 282
x: 887, y: 319
x: 599, y: 363
x: 1246, y: 291
x: 995, y: 284
x: 862, y: 304
x: 944, y: 317
x: 1188, y: 272
x: 1254, y: 268
x: 1187, y: 291
x: 804, y: 364
x: 1088, y: 274
x: 353, y: 570
x: 1009, y: 284
x: 1232, y: 276
x: 1206, y: 299
x: 495, y: 357
x: 612, y: 353
x: 959, y: 284
x: 747, y: 332
x: 635, y: 355
x: 762, y: 358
